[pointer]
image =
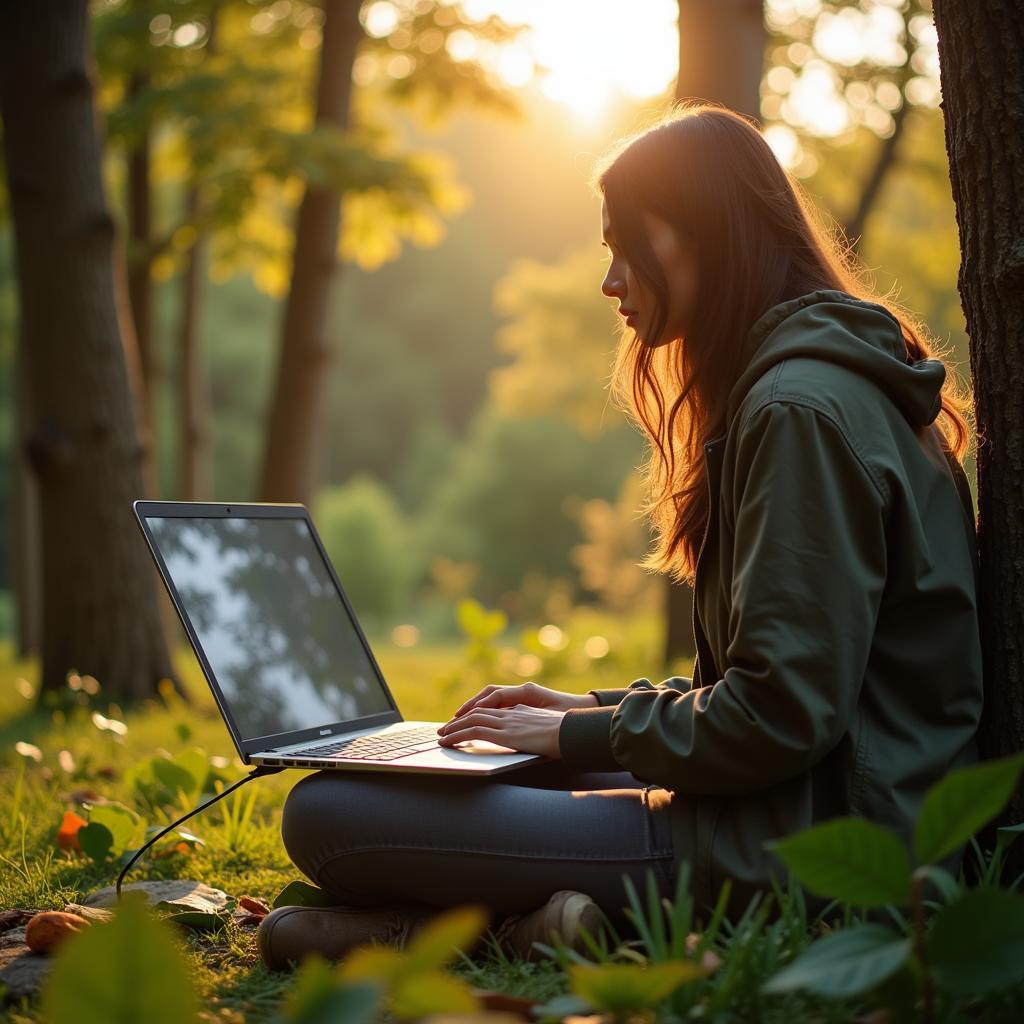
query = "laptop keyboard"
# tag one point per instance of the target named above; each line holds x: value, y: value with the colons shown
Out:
x: 378, y: 747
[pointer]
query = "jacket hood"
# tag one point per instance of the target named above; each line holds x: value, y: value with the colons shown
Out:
x: 835, y: 326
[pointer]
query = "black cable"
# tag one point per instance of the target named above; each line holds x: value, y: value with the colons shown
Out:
x: 256, y: 773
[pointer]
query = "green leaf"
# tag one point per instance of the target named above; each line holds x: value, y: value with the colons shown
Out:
x: 318, y: 998
x: 428, y: 992
x: 96, y: 841
x: 123, y: 972
x: 965, y: 800
x: 620, y: 988
x: 301, y: 894
x: 977, y: 943
x: 849, y: 859
x: 436, y: 942
x: 121, y: 823
x: 845, y: 963
x: 173, y: 776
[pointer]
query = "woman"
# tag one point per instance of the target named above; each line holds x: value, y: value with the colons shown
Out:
x: 805, y: 477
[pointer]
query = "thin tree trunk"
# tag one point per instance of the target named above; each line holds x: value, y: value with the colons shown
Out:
x: 981, y: 61
x: 193, y: 395
x: 193, y: 398
x: 99, y: 612
x: 291, y: 460
x: 140, y: 290
x: 721, y: 59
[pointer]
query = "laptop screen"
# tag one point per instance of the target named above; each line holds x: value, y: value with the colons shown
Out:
x: 282, y: 645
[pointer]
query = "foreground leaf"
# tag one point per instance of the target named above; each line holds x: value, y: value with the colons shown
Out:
x: 430, y: 992
x: 124, y: 972
x: 849, y: 859
x: 317, y: 997
x: 619, y: 988
x: 845, y: 963
x: 958, y: 806
x: 437, y: 940
x: 977, y: 943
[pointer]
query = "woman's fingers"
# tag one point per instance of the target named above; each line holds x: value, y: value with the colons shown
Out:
x: 485, y: 692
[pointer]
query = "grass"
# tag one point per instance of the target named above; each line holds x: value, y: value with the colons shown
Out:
x: 243, y: 854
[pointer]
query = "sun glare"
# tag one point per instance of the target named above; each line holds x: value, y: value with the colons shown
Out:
x: 588, y: 52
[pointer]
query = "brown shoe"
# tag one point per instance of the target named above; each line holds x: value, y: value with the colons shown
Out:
x: 288, y: 934
x: 563, y: 914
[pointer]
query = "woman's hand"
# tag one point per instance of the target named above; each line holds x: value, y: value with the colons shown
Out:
x: 530, y: 694
x: 525, y: 717
x: 532, y: 730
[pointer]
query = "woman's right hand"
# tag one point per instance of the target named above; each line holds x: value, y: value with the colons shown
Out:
x: 530, y: 694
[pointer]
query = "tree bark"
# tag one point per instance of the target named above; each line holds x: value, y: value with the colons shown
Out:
x: 193, y: 399
x: 99, y: 608
x: 291, y: 459
x: 721, y: 53
x: 721, y: 59
x: 140, y: 291
x: 981, y: 62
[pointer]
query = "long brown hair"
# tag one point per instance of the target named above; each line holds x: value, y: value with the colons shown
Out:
x: 710, y: 173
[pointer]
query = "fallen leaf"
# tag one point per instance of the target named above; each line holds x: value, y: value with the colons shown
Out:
x: 67, y: 836
x: 257, y: 907
x: 178, y: 894
x: 94, y: 914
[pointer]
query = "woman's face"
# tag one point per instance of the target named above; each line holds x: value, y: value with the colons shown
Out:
x: 636, y: 301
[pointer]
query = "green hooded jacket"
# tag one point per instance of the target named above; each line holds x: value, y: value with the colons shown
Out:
x: 838, y: 666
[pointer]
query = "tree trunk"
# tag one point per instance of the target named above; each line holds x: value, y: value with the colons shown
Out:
x: 291, y: 460
x: 981, y: 61
x: 99, y: 609
x: 721, y: 53
x: 721, y: 58
x: 193, y: 399
x: 140, y: 292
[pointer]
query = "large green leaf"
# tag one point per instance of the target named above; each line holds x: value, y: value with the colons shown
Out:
x: 317, y: 997
x: 977, y: 943
x: 845, y: 963
x: 431, y: 992
x: 96, y: 841
x: 436, y: 942
x: 965, y: 800
x: 122, y: 824
x: 848, y: 859
x: 621, y: 988
x: 124, y: 972
x: 302, y: 894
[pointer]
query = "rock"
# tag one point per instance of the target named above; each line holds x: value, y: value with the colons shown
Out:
x: 12, y: 937
x: 21, y: 972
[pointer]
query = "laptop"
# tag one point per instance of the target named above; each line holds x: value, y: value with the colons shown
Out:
x: 288, y: 663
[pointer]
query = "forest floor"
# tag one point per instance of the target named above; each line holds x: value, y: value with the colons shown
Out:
x: 83, y: 750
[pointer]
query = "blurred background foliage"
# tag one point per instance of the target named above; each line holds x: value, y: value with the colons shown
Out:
x: 469, y: 447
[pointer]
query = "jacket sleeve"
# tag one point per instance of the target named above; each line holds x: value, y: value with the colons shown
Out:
x: 808, y: 573
x: 613, y: 696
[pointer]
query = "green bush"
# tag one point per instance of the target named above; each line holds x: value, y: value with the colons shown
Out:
x: 368, y: 541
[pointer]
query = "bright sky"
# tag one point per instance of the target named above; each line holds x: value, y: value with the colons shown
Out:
x: 590, y: 52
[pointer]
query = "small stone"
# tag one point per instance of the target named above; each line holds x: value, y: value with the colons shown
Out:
x: 21, y: 972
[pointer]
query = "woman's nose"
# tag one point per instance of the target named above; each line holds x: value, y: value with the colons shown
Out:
x: 613, y: 285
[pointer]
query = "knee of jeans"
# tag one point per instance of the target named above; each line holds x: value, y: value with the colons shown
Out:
x: 303, y: 807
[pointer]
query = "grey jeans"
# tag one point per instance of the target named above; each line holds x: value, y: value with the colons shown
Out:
x: 508, y: 842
